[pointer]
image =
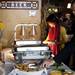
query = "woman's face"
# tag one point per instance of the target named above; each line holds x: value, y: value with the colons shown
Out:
x: 51, y: 24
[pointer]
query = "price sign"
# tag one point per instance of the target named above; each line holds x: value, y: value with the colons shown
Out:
x: 32, y: 5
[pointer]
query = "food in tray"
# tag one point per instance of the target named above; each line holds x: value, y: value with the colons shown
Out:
x: 67, y: 73
x: 58, y: 72
x: 55, y: 72
x: 25, y: 67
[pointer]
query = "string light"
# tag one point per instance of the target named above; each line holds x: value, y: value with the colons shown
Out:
x: 69, y: 5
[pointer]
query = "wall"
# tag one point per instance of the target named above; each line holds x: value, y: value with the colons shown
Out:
x: 13, y: 17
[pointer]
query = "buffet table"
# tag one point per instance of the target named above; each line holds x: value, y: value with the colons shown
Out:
x: 44, y: 71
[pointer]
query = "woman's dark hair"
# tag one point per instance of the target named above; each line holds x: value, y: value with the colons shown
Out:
x: 52, y: 18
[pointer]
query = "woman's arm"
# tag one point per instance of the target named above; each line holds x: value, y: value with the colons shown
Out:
x: 46, y: 40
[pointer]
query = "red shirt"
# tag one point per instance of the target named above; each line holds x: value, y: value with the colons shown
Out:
x: 53, y: 36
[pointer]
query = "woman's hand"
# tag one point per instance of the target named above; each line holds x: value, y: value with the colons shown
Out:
x: 45, y: 42
x: 48, y: 42
x: 47, y: 63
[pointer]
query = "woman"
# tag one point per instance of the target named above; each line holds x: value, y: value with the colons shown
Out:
x: 57, y: 37
x: 53, y: 33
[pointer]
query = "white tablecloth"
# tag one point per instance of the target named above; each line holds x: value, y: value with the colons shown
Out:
x: 18, y: 72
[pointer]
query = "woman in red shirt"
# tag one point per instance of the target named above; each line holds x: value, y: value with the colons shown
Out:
x: 53, y: 33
